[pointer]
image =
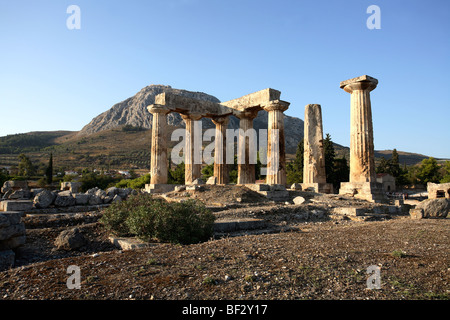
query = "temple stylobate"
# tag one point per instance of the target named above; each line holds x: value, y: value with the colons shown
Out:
x: 192, y: 110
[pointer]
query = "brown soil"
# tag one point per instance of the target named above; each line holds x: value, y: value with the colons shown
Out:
x: 319, y: 259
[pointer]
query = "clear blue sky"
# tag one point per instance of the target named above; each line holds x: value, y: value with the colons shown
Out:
x: 54, y: 78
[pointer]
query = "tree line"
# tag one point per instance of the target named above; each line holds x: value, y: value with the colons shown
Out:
x: 337, y: 168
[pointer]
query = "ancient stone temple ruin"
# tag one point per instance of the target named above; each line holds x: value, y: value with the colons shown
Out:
x: 363, y: 183
x: 245, y: 109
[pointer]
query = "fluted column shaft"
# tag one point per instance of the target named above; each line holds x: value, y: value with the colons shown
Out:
x: 193, y: 154
x: 158, y: 161
x: 314, y: 157
x: 246, y: 169
x: 362, y: 156
x: 276, y: 153
x: 220, y: 165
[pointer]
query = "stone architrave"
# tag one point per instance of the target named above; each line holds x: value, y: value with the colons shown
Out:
x: 246, y: 144
x: 220, y: 165
x: 314, y: 175
x: 193, y: 153
x: 276, y: 153
x: 362, y: 159
x: 158, y: 164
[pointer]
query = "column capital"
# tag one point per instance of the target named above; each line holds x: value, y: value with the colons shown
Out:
x: 191, y: 116
x: 157, y: 108
x: 359, y: 83
x: 278, y: 105
x: 220, y: 120
x: 250, y: 113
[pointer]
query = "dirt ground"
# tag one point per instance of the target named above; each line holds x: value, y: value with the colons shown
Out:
x: 317, y: 259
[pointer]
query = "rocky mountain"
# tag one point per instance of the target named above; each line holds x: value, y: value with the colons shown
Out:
x: 133, y: 111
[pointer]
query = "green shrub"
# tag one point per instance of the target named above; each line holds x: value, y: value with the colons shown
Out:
x: 151, y: 218
x: 138, y: 183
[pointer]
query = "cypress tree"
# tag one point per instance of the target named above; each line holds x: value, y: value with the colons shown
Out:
x: 49, y: 170
x: 329, y: 155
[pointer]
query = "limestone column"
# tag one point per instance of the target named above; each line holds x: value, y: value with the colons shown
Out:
x: 314, y: 157
x: 158, y: 162
x: 220, y: 165
x: 276, y: 153
x: 193, y: 148
x: 247, y: 141
x: 362, y: 158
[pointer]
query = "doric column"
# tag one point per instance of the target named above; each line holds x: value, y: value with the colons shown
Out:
x: 220, y: 165
x: 158, y: 162
x: 314, y: 157
x: 247, y: 141
x: 362, y: 158
x: 276, y: 153
x: 193, y: 152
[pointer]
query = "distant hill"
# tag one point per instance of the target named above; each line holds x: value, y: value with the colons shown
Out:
x: 29, y: 142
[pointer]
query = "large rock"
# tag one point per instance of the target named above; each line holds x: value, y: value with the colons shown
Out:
x: 65, y: 199
x: 92, y: 191
x: 100, y: 193
x: 14, y: 185
x: 22, y: 194
x: 124, y: 192
x: 16, y: 205
x: 44, y: 199
x: 81, y: 199
x: 434, y: 208
x: 95, y: 200
x: 71, y: 239
x: 73, y: 187
x: 111, y: 192
x: 116, y: 198
x: 6, y: 259
x: 36, y: 191
x: 298, y: 200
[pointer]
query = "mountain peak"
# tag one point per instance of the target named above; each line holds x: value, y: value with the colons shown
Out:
x: 133, y: 111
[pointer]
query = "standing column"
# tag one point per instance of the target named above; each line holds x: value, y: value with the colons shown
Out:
x: 193, y: 148
x: 158, y: 162
x: 276, y: 153
x: 314, y: 157
x: 247, y: 143
x: 220, y: 165
x: 362, y: 158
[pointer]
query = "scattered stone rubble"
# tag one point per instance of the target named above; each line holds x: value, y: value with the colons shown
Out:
x: 17, y: 202
x: 18, y: 197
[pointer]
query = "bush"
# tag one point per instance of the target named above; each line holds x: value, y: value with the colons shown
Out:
x: 138, y: 183
x: 151, y: 218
